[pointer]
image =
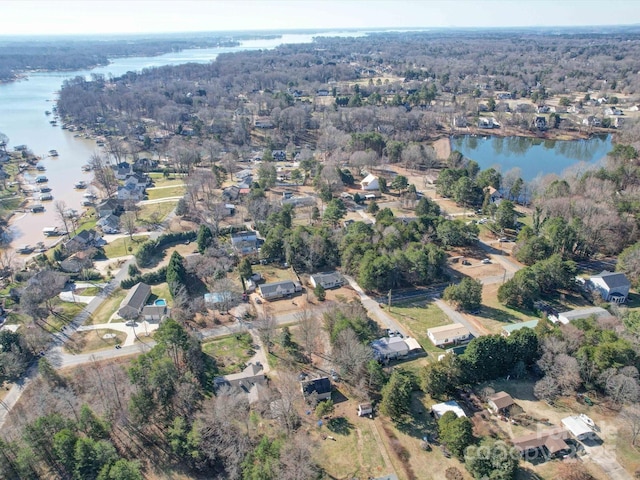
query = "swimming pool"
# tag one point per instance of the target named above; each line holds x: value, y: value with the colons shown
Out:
x: 161, y: 302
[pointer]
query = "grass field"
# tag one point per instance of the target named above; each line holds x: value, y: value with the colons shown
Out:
x: 165, y: 192
x: 84, y: 342
x: 272, y: 273
x: 231, y: 353
x: 120, y: 246
x: 160, y: 291
x: 159, y: 180
x: 107, y: 308
x: 417, y: 317
x: 155, y: 213
x: 65, y: 312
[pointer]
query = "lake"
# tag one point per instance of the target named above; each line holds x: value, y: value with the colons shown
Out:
x: 22, y: 119
x: 533, y: 156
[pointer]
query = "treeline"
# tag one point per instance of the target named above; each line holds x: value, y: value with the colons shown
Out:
x: 18, y: 56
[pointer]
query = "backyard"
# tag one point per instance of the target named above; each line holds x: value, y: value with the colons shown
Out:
x: 107, y: 308
x: 231, y: 353
x: 84, y: 342
x: 120, y: 246
x: 417, y: 317
x: 156, y: 193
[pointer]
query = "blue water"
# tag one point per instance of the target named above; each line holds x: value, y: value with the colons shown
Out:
x: 532, y: 156
x: 161, y: 302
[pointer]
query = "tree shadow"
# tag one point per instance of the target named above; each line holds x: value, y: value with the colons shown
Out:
x: 340, y: 426
x: 419, y: 424
x: 499, y: 315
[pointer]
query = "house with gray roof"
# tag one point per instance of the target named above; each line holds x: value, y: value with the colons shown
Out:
x: 134, y: 302
x: 244, y: 243
x: 155, y: 313
x: 270, y: 291
x: 326, y: 279
x: 579, y: 313
x: 389, y: 348
x: 318, y: 388
x: 613, y: 286
x: 251, y: 381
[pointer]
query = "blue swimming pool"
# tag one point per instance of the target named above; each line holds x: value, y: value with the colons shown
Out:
x: 161, y: 302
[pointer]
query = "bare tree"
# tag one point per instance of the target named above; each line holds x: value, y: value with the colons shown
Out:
x: 128, y: 222
x: 61, y: 211
x: 229, y: 294
x: 309, y: 328
x: 631, y: 416
x: 351, y: 355
x: 266, y: 326
x: 103, y: 174
x: 286, y: 407
x: 297, y: 460
x: 7, y: 262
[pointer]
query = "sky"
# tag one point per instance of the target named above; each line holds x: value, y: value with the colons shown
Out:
x: 54, y: 17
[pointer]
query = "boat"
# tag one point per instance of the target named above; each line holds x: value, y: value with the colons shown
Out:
x: 87, y: 203
x: 41, y: 168
x: 53, y: 153
x: 86, y: 168
x: 90, y: 196
x: 47, y: 112
x: 81, y: 185
x: 37, y: 208
x: 51, y: 231
x: 100, y: 143
x: 45, y: 197
x: 25, y: 249
x: 44, y: 189
x: 41, y: 179
x: 53, y: 122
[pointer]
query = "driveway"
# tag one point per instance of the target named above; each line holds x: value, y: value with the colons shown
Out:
x: 607, y: 461
x: 458, y: 317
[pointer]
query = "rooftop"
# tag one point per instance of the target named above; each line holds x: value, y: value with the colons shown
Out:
x: 517, y: 326
x: 613, y: 279
x: 501, y: 400
x: 447, y: 331
x: 440, y: 409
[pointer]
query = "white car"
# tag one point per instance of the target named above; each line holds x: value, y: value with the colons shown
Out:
x: 486, y: 261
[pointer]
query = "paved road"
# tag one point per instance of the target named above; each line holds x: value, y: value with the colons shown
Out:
x: 607, y: 461
x: 373, y: 307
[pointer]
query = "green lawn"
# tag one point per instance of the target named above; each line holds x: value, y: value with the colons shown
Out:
x: 155, y: 213
x: 120, y: 246
x: 108, y: 307
x: 160, y: 291
x: 64, y: 314
x: 231, y: 353
x: 159, y: 180
x: 273, y: 273
x: 165, y: 192
x: 417, y: 317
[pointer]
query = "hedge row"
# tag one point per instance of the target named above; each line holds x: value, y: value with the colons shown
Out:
x: 152, y: 278
x: 148, y: 249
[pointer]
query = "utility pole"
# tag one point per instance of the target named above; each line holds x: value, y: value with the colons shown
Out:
x: 389, y: 302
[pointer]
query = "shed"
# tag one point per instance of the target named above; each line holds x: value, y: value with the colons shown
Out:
x: 500, y: 402
x: 365, y: 409
x: 439, y: 409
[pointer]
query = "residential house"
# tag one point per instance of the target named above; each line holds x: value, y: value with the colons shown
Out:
x: 592, y: 121
x: 77, y: 262
x: 634, y: 108
x: 83, y: 240
x: 540, y: 123
x: 567, y: 317
x: 138, y: 179
x: 448, y: 334
x: 245, y: 243
x: 263, y: 123
x: 144, y: 165
x: 302, y: 201
x: 613, y: 111
x: 326, y: 279
x: 494, y: 195
x: 460, y: 122
x: 504, y: 96
x: 109, y: 207
x: 122, y: 170
x: 250, y: 381
x: 134, y: 302
x: 322, y: 92
x: 439, y: 409
x: 548, y: 443
x: 617, y: 122
x: 109, y: 224
x: 500, y: 403
x: 370, y: 182
x: 279, y: 155
x: 317, y: 389
x: 231, y: 193
x: 364, y: 409
x: 613, y: 286
x: 245, y: 175
x: 486, y: 122
x: 580, y: 426
x: 155, y: 313
x: 389, y: 348
x: 270, y: 291
x: 543, y: 109
x: 130, y: 191
x: 507, y: 330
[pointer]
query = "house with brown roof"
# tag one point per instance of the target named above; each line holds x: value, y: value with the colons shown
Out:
x: 548, y: 443
x: 500, y: 403
x: 134, y: 302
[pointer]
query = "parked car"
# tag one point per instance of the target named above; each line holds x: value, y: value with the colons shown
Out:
x: 466, y: 262
x: 486, y: 261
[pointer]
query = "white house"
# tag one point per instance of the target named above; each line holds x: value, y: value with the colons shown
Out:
x: 448, y: 334
x: 613, y: 286
x: 326, y: 279
x: 370, y: 182
x: 389, y: 348
x: 578, y: 427
x: 269, y: 291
